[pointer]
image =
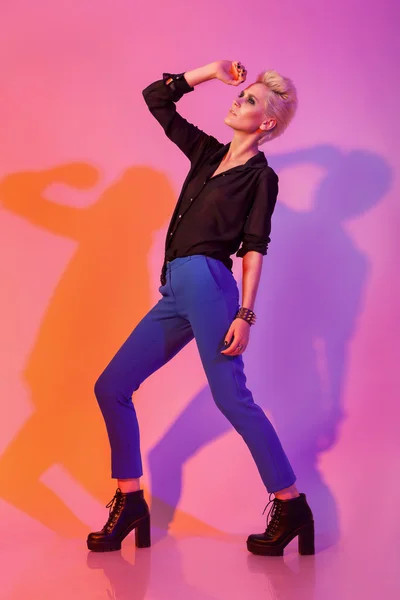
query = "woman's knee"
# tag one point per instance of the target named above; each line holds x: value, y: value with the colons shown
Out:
x: 236, y: 409
x: 109, y: 389
x: 105, y: 388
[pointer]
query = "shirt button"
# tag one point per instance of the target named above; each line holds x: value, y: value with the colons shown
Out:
x: 180, y: 216
x: 191, y: 199
x: 170, y: 233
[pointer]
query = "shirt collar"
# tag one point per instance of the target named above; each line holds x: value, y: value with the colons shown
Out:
x: 255, y: 162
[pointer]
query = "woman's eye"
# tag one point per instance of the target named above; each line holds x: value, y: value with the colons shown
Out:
x: 249, y: 99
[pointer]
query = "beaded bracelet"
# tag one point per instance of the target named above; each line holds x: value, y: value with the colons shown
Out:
x: 247, y: 315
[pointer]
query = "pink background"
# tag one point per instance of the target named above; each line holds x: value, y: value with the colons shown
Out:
x: 81, y: 156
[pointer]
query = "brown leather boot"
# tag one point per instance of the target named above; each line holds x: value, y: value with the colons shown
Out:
x: 288, y: 519
x: 127, y: 511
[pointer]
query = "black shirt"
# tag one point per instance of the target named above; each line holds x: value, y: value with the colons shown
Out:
x: 213, y: 215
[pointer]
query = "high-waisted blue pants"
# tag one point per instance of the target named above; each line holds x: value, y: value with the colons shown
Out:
x: 199, y: 300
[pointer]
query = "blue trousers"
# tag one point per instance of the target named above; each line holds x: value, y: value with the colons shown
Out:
x: 199, y: 300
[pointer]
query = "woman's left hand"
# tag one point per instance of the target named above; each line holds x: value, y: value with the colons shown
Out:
x: 237, y: 337
x: 231, y: 73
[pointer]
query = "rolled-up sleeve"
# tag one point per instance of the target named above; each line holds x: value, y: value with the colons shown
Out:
x: 160, y: 98
x: 257, y: 227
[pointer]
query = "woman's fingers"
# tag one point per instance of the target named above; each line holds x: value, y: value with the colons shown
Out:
x: 234, y: 352
x: 240, y: 348
x: 239, y: 72
x: 237, y: 348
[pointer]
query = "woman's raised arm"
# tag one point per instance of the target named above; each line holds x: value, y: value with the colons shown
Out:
x: 162, y: 95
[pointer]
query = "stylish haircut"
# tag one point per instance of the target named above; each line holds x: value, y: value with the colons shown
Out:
x: 281, y: 102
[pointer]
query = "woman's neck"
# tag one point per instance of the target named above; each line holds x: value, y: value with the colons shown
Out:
x: 241, y: 149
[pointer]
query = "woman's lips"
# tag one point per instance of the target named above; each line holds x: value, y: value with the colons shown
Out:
x: 231, y: 111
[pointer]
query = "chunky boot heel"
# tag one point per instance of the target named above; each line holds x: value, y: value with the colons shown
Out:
x: 289, y: 518
x: 127, y: 512
x: 142, y: 533
x: 306, y: 539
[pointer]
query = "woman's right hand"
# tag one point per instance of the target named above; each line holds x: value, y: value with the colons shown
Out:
x: 231, y: 73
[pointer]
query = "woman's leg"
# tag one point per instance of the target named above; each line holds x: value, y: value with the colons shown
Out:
x: 211, y: 311
x: 156, y: 339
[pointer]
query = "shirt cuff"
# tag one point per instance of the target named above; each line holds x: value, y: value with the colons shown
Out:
x: 261, y: 248
x: 178, y: 85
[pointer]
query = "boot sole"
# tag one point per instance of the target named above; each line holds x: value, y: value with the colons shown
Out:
x: 305, y: 543
x: 142, y: 538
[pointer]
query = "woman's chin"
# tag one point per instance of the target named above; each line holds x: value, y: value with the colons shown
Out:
x: 228, y: 120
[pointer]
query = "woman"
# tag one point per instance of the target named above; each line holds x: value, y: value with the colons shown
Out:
x: 227, y: 198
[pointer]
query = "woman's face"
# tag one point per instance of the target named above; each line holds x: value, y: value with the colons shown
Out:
x: 248, y: 110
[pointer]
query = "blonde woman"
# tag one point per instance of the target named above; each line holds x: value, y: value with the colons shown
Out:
x: 225, y: 207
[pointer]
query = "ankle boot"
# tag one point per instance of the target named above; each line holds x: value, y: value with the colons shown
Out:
x: 127, y: 511
x: 288, y: 519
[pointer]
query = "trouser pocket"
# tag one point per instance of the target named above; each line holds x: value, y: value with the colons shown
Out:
x: 222, y: 278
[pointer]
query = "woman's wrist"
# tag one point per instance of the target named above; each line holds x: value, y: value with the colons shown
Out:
x: 201, y: 74
x: 247, y: 315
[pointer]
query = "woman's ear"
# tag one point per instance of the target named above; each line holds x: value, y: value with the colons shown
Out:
x: 268, y: 124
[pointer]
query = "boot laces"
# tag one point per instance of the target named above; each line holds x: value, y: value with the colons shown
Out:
x: 273, y: 514
x: 115, y: 505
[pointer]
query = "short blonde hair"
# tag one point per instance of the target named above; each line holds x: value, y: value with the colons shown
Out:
x: 281, y: 103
